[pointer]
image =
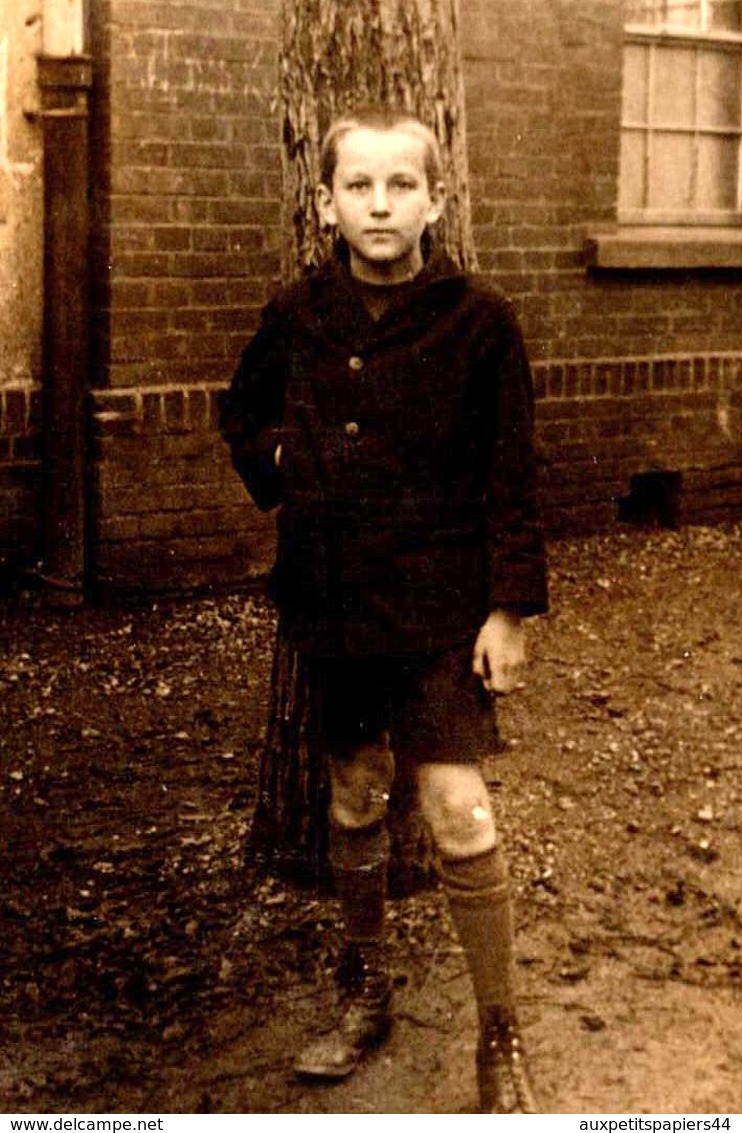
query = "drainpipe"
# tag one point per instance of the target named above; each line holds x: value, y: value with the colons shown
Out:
x: 65, y: 79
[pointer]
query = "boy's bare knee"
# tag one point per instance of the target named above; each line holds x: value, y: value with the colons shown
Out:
x: 456, y: 804
x: 360, y: 786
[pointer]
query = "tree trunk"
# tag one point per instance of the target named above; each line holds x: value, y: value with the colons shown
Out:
x: 336, y: 54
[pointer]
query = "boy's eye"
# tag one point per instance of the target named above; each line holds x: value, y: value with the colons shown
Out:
x: 404, y: 183
x: 357, y: 186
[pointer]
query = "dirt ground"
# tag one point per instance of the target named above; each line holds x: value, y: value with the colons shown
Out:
x: 147, y: 968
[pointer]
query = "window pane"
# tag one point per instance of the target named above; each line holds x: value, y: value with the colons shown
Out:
x: 719, y: 93
x: 674, y: 86
x: 681, y: 139
x: 711, y: 15
x: 726, y: 15
x: 636, y: 62
x: 717, y: 173
x: 632, y: 188
x: 640, y: 12
x: 682, y: 13
x: 671, y: 175
x: 677, y: 13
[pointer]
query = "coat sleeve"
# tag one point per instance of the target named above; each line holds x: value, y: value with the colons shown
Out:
x: 251, y: 410
x: 516, y: 558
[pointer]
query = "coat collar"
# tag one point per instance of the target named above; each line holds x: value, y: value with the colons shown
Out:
x: 332, y: 304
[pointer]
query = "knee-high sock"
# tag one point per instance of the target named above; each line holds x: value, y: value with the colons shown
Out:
x: 359, y: 860
x: 479, y: 899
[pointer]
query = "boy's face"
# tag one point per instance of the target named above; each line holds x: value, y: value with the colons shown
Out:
x: 381, y: 202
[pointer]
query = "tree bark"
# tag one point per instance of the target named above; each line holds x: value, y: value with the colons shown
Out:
x: 336, y: 54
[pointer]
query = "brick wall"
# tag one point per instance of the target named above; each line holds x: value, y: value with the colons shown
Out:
x: 604, y: 422
x: 20, y: 475
x: 171, y: 513
x: 187, y: 252
x: 543, y: 84
x: 636, y: 372
x: 189, y: 214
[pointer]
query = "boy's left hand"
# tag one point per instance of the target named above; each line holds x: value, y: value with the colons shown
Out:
x: 499, y: 651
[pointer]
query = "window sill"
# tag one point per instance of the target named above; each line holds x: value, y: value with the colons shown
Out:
x: 640, y: 247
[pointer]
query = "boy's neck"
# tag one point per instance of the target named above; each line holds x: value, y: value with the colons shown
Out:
x: 378, y: 298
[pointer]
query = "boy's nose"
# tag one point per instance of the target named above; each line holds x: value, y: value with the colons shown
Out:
x: 380, y: 201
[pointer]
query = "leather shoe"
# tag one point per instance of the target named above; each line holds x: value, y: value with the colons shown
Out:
x: 502, y: 1073
x: 364, y: 1024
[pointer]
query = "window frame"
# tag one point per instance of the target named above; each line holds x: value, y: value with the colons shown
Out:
x: 655, y: 37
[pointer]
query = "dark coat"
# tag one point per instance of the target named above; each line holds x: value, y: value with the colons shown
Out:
x: 406, y: 475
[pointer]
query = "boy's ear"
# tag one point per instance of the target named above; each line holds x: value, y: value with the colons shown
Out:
x: 437, y: 202
x: 325, y: 205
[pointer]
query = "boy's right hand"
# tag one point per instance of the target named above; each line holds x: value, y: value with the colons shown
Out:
x: 499, y: 651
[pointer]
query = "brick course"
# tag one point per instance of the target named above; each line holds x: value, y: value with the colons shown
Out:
x: 171, y: 514
x: 166, y: 493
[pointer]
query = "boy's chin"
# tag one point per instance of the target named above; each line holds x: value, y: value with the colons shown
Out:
x: 385, y: 263
x: 382, y: 252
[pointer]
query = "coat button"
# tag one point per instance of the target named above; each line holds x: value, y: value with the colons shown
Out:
x: 352, y: 429
x: 355, y: 362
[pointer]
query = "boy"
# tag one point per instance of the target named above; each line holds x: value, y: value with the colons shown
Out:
x: 386, y: 404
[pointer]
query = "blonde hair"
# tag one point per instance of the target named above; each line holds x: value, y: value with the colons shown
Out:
x: 372, y: 117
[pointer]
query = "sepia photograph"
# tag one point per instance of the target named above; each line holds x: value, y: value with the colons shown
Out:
x: 370, y: 560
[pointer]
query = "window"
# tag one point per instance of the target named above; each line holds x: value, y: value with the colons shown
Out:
x: 681, y: 128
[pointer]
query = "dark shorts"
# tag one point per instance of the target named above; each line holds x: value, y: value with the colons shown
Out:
x: 433, y: 707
